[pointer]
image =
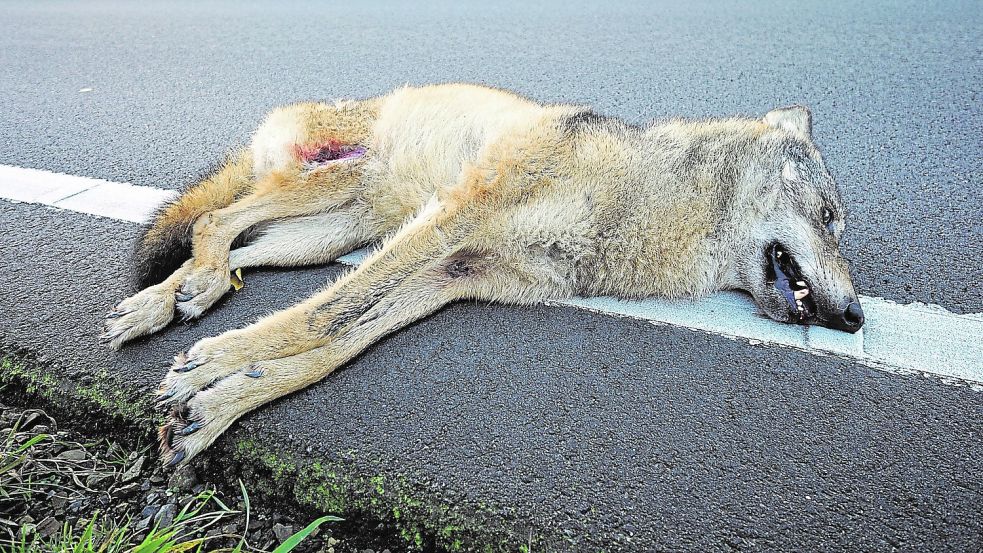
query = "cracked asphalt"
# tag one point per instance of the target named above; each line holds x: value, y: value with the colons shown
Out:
x: 598, y: 432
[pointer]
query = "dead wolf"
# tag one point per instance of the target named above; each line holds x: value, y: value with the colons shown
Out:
x: 470, y: 192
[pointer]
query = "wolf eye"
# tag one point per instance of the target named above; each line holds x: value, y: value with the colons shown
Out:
x: 828, y: 218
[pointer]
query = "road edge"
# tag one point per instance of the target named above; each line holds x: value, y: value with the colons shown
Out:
x: 386, y: 501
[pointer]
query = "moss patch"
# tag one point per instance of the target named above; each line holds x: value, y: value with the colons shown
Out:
x: 345, y: 488
x: 120, y: 412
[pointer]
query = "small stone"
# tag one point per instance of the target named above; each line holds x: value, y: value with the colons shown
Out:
x: 114, y: 450
x: 152, y: 497
x: 75, y: 506
x: 332, y: 542
x: 157, y: 478
x: 48, y: 527
x: 133, y: 472
x: 58, y: 501
x: 183, y: 479
x: 123, y: 492
x: 198, y: 489
x: 282, y: 532
x: 143, y: 524
x: 145, y: 485
x: 256, y: 523
x: 72, y: 455
x: 149, y: 511
x: 231, y: 529
x: 165, y: 516
x: 26, y: 519
x: 95, y: 480
x: 32, y: 419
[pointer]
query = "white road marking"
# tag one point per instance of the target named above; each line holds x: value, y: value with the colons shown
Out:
x: 115, y: 200
x: 899, y: 338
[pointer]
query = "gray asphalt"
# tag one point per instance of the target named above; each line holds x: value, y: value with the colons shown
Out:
x: 615, y: 433
x: 895, y: 89
x: 599, y: 433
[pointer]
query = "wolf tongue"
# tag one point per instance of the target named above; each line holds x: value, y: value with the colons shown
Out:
x: 782, y: 282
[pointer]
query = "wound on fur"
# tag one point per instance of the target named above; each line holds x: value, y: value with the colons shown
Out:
x: 326, y: 152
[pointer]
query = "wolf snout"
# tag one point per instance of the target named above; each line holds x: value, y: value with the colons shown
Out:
x: 849, y: 319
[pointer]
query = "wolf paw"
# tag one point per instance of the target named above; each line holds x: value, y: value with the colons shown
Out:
x: 194, y: 423
x: 143, y: 313
x: 203, y: 365
x: 200, y: 290
x: 193, y: 426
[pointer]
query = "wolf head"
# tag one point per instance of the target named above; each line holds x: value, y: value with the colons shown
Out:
x: 789, y: 257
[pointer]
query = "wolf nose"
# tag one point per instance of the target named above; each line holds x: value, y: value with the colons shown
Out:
x: 853, y: 317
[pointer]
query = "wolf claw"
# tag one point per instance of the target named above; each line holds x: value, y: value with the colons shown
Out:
x: 190, y: 429
x: 106, y: 337
x: 189, y: 366
x: 177, y: 458
x: 165, y: 397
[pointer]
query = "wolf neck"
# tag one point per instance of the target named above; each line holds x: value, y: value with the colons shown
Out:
x: 680, y: 228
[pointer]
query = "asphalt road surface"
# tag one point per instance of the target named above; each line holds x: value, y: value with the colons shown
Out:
x: 613, y: 433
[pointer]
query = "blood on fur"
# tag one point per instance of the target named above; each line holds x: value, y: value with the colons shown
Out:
x: 325, y: 152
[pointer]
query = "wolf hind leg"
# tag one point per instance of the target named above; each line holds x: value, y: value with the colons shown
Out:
x: 309, y: 240
x: 145, y: 312
x: 204, y: 278
x: 282, y: 195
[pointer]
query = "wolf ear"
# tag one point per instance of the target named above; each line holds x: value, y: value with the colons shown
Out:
x: 796, y: 119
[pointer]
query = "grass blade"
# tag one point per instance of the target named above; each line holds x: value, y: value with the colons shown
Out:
x: 290, y: 543
x: 245, y: 501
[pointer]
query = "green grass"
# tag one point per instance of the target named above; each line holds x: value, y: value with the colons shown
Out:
x: 25, y: 477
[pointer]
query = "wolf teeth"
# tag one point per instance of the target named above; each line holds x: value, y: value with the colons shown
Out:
x: 801, y: 283
x: 799, y: 294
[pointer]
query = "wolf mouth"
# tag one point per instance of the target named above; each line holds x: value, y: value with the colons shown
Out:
x: 785, y: 275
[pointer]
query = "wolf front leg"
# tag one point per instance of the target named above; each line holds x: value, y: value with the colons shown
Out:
x: 223, y: 378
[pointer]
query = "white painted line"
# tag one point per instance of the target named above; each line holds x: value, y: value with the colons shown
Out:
x: 35, y: 186
x: 900, y: 338
x: 117, y: 201
x: 114, y: 200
